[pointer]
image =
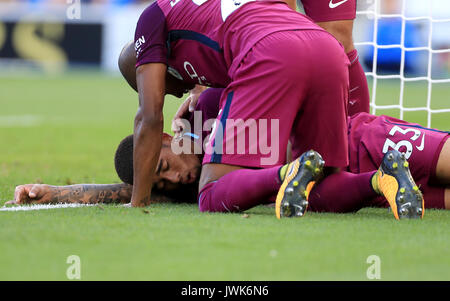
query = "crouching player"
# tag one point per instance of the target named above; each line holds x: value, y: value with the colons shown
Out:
x: 243, y: 47
x: 336, y: 17
x: 427, y: 150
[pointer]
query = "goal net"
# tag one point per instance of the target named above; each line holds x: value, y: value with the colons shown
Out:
x: 404, y: 46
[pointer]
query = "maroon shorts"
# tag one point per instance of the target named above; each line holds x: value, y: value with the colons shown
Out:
x: 290, y: 85
x: 330, y: 10
x: 370, y: 137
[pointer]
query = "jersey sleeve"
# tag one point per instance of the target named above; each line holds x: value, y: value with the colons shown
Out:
x: 150, y: 36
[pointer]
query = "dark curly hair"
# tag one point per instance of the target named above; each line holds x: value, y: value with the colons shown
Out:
x: 123, y: 160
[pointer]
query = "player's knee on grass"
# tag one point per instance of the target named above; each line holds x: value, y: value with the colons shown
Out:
x: 127, y: 63
x: 342, y: 30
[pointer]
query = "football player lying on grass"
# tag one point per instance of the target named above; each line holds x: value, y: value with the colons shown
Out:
x: 176, y: 181
x: 244, y: 47
x: 427, y: 150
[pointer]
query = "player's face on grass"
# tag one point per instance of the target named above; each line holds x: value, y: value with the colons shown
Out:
x: 174, y: 170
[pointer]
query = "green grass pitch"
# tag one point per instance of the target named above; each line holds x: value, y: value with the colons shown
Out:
x: 63, y: 130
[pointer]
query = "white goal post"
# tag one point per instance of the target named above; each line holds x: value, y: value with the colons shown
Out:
x: 435, y: 13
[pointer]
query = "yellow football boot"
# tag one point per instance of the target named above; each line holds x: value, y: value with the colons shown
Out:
x: 299, y: 179
x: 393, y: 180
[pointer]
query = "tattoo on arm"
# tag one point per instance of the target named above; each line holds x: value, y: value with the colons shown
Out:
x: 100, y: 193
x: 92, y: 193
x: 146, y: 201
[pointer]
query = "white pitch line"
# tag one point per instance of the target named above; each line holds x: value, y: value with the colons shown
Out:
x: 20, y: 120
x: 44, y: 207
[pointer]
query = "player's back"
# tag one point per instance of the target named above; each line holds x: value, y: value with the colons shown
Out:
x: 206, y: 39
x: 193, y: 49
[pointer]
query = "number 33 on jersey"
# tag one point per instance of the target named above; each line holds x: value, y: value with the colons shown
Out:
x: 409, y: 136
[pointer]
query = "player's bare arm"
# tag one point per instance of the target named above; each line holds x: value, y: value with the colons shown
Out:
x: 80, y: 193
x: 148, y: 129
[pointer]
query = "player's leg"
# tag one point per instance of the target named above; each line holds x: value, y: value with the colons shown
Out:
x: 439, y: 188
x: 394, y: 181
x: 239, y: 190
x: 337, y: 17
x: 372, y: 136
x: 428, y: 152
x: 342, y: 192
x: 224, y: 168
x: 443, y: 165
x: 368, y: 135
x: 311, y: 125
x: 359, y: 99
x: 278, y: 104
x: 327, y: 196
x: 447, y: 198
x: 443, y: 171
x: 252, y: 187
x: 345, y: 192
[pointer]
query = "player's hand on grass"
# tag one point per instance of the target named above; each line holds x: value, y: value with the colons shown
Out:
x: 31, y: 193
x: 187, y: 106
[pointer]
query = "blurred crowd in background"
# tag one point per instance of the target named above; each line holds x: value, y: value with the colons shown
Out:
x: 56, y: 34
x: 120, y: 2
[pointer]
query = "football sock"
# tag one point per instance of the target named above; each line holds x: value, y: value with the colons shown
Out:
x: 283, y: 170
x: 374, y: 182
x: 240, y: 190
x: 342, y: 192
x: 359, y: 99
